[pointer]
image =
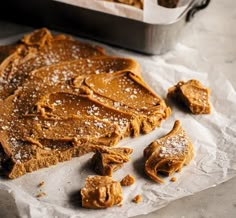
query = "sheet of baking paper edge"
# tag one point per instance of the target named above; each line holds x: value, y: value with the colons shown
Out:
x: 152, y: 13
x: 156, y: 14
x: 108, y: 7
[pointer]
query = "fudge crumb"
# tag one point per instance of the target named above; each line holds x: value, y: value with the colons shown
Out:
x: 41, y: 184
x: 137, y: 199
x: 41, y: 194
x: 127, y: 180
x: 173, y: 179
x: 120, y: 205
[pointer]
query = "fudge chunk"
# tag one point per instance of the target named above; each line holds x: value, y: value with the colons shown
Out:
x: 193, y: 95
x: 108, y: 160
x: 101, y: 192
x: 168, y: 154
x: 127, y: 180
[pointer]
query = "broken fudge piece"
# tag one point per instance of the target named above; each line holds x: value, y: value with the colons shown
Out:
x: 101, y: 192
x: 193, y: 95
x: 168, y: 154
x: 106, y: 161
x: 128, y: 180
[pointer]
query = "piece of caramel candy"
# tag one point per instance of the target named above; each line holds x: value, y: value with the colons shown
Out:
x: 168, y: 154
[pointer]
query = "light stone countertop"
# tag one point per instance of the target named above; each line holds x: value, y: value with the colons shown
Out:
x: 212, y: 36
x: 217, y: 202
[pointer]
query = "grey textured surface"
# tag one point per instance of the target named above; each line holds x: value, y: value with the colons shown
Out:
x: 217, y: 202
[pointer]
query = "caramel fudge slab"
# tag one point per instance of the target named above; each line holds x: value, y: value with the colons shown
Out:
x: 127, y: 92
x: 48, y: 112
x: 168, y: 154
x: 25, y: 119
x: 36, y: 50
x: 63, y: 104
x: 141, y: 113
x: 101, y: 192
x: 106, y: 161
x: 25, y: 122
x: 32, y: 141
x: 70, y: 108
x: 53, y: 93
x: 49, y: 142
x: 193, y: 95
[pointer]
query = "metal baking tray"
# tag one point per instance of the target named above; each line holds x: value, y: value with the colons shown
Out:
x: 131, y: 34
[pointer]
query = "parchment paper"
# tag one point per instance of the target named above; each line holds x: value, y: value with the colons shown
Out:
x: 107, y: 7
x: 206, y: 53
x: 151, y: 13
x: 156, y: 14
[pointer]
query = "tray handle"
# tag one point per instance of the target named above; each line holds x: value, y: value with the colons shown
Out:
x: 196, y: 8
